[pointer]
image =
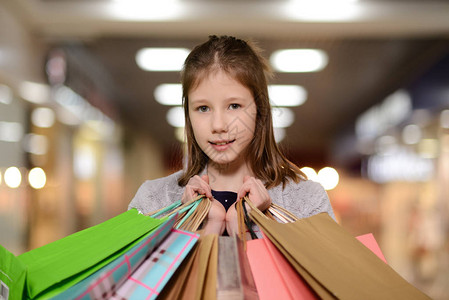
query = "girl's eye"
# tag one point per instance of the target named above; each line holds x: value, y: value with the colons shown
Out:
x: 234, y: 106
x: 203, y: 108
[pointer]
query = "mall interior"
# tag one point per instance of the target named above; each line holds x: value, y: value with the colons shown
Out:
x: 360, y: 102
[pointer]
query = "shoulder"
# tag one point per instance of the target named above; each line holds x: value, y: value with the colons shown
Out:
x: 167, y: 180
x: 157, y: 193
x: 304, y: 198
x: 304, y: 186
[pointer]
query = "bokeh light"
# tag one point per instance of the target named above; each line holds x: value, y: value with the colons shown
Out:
x: 328, y: 177
x: 37, y: 178
x: 310, y: 173
x: 13, y: 177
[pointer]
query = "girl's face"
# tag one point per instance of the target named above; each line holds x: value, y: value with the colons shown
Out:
x: 223, y: 116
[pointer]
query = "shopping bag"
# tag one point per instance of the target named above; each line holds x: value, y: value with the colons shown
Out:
x: 234, y: 277
x: 12, y: 276
x: 370, y: 242
x: 190, y: 215
x: 104, y: 283
x: 147, y: 281
x: 53, y: 268
x: 333, y: 262
x: 196, y: 278
x: 274, y: 277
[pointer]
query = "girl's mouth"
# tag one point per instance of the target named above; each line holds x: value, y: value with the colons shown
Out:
x: 221, y: 145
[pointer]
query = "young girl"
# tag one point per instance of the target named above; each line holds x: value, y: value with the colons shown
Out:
x: 230, y: 142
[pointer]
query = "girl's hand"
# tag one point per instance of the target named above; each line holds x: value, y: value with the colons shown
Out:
x: 232, y: 226
x: 196, y: 186
x: 215, y: 222
x: 256, y: 192
x: 258, y: 195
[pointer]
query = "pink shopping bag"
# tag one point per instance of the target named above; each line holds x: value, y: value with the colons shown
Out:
x: 275, y: 278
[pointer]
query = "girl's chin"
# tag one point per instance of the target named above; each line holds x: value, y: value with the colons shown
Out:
x: 225, y: 159
x: 223, y: 163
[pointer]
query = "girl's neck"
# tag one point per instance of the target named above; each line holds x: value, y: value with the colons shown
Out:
x: 228, y: 177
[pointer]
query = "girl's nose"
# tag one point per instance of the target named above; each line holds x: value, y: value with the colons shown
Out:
x: 219, y: 123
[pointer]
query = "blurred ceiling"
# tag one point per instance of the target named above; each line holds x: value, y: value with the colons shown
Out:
x: 374, y: 48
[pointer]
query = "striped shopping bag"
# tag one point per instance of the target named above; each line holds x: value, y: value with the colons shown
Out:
x: 147, y: 281
x: 196, y: 278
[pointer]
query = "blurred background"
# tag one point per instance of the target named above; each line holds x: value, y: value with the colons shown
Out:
x: 90, y: 100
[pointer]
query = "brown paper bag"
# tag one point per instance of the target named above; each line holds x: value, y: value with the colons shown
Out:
x: 334, y: 263
x: 196, y: 278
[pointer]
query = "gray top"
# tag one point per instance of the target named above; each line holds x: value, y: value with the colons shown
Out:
x: 303, y: 199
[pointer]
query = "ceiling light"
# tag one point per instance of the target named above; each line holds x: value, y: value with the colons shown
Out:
x: 146, y: 10
x: 279, y: 134
x: 444, y: 119
x: 323, y: 10
x: 43, y: 117
x: 282, y: 117
x: 161, y: 59
x: 11, y: 131
x: 35, y: 143
x: 299, y: 60
x: 411, y: 134
x: 168, y: 94
x: 5, y: 94
x: 34, y: 92
x: 175, y: 116
x: 67, y: 117
x: 287, y: 95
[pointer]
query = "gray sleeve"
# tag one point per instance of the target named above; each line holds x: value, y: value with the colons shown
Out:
x: 306, y: 198
x: 155, y: 194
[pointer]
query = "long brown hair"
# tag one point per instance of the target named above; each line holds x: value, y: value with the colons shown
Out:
x: 244, y: 62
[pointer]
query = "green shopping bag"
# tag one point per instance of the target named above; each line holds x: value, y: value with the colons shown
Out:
x: 57, y: 266
x: 12, y: 276
x: 105, y: 282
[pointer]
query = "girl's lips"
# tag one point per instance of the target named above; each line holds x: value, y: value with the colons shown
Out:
x: 221, y: 145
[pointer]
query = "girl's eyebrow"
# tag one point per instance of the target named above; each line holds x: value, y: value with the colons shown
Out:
x: 199, y: 100
x: 226, y: 100
x: 236, y: 99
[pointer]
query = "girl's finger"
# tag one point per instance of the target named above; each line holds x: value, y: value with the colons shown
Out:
x: 202, y: 184
x: 244, y: 189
